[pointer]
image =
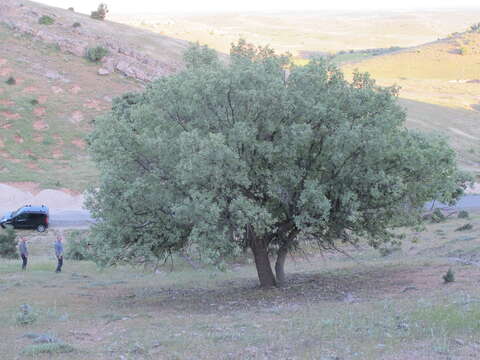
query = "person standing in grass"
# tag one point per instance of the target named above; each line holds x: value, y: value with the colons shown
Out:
x: 22, y: 247
x: 59, y: 252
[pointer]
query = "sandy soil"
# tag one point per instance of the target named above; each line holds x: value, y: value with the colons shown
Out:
x: 14, y: 195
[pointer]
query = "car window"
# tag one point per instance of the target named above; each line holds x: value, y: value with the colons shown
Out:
x: 22, y: 217
x: 16, y: 212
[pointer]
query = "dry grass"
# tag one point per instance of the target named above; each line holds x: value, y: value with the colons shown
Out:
x: 434, y: 73
x: 372, y: 307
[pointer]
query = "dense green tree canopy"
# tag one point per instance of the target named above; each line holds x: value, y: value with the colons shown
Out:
x: 258, y: 153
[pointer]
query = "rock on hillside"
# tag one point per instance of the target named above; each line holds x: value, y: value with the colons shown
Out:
x: 133, y: 52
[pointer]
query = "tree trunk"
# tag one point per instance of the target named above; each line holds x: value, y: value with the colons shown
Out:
x: 280, y: 266
x: 262, y: 261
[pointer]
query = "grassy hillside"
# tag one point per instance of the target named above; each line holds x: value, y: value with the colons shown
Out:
x: 459, y: 125
x: 50, y: 93
x: 46, y: 113
x: 394, y: 306
x: 445, y: 72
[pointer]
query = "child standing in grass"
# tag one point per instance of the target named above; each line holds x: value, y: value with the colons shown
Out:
x: 22, y: 247
x: 59, y: 252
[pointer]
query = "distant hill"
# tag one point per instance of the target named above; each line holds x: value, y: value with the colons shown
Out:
x: 444, y: 72
x: 307, y: 31
x: 439, y: 87
x: 50, y: 93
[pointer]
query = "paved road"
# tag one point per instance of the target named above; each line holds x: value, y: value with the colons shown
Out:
x: 70, y: 219
x: 83, y: 219
x: 466, y: 202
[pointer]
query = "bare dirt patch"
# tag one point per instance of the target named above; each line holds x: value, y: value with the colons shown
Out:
x: 80, y: 143
x: 58, y: 139
x: 94, y: 104
x: 18, y: 139
x: 5, y: 102
x: 39, y: 111
x: 57, y: 89
x: 15, y: 194
x: 75, y: 89
x: 6, y: 71
x: 42, y: 99
x: 57, y: 153
x: 76, y: 117
x: 40, y: 125
x: 30, y: 89
x: 9, y: 115
x: 301, y: 289
x: 38, y: 138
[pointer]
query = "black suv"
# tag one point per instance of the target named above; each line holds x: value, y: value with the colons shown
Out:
x: 27, y: 217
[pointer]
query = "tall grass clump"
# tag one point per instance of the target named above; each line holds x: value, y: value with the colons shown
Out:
x: 26, y: 316
x: 46, y: 20
x: 96, y: 53
x: 47, y: 348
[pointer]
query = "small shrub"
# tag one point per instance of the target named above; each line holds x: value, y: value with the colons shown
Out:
x: 449, y: 276
x: 100, y: 13
x: 11, y: 81
x: 77, y: 247
x: 386, y: 251
x: 48, y: 348
x: 437, y: 216
x: 96, y: 54
x: 34, y: 102
x: 26, y: 316
x: 76, y: 24
x: 463, y: 214
x: 475, y: 27
x: 463, y: 50
x: 46, y: 20
x: 71, y: 9
x: 8, y: 244
x: 465, y: 227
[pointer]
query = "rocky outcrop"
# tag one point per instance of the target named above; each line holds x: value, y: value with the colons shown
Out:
x: 22, y: 17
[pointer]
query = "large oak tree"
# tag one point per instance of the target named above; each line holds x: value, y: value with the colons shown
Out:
x: 258, y: 153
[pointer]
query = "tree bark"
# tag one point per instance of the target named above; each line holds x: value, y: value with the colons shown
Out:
x: 280, y: 266
x: 262, y: 261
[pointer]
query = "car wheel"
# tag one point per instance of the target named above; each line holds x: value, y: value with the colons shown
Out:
x: 41, y: 228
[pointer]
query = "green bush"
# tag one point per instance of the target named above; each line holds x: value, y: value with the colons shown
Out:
x: 34, y: 102
x: 77, y: 247
x: 26, y: 316
x: 465, y: 227
x: 96, y: 53
x: 46, y: 20
x: 11, y: 81
x: 8, y: 244
x: 475, y: 27
x: 100, y: 13
x: 437, y: 216
x: 449, y: 276
x: 463, y: 214
x: 463, y: 50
